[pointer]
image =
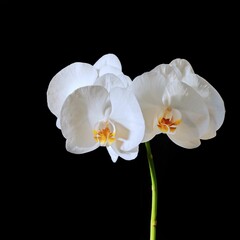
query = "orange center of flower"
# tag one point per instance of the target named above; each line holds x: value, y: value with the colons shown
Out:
x: 104, y: 133
x: 169, y: 121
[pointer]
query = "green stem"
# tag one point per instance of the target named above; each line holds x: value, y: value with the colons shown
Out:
x: 153, y: 223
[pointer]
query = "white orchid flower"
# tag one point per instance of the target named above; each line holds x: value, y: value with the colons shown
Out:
x: 80, y: 74
x: 92, y: 117
x: 209, y: 94
x: 172, y: 107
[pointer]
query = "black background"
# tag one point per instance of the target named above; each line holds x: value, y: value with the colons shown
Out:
x: 53, y: 193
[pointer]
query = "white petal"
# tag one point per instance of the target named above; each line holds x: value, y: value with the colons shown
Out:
x: 186, y: 136
x: 109, y: 69
x: 127, y: 117
x: 150, y: 113
x: 215, y: 105
x: 211, y: 131
x: 72, y: 148
x: 149, y: 88
x: 186, y: 74
x: 192, y: 80
x: 126, y: 80
x: 108, y: 60
x: 66, y: 81
x: 110, y: 64
x: 209, y: 94
x: 127, y: 155
x: 112, y: 153
x: 163, y: 68
x: 166, y: 70
x: 58, y: 124
x: 109, y: 81
x: 81, y: 111
x: 194, y: 111
x: 181, y: 66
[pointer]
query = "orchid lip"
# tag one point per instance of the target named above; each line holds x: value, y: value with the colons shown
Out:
x: 104, y: 133
x: 169, y: 121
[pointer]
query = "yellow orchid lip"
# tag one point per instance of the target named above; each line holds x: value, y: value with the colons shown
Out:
x: 167, y: 123
x: 104, y: 133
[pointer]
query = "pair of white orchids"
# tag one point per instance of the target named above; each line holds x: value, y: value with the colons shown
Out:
x: 97, y: 105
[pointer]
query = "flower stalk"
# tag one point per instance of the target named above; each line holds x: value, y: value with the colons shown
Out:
x: 153, y: 222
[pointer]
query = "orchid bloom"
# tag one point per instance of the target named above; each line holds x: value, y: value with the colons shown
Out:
x: 209, y: 94
x: 80, y: 74
x: 172, y: 107
x: 92, y: 117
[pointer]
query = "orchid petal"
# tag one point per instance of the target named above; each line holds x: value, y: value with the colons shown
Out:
x: 127, y: 117
x: 81, y: 111
x: 181, y: 66
x: 127, y: 155
x: 112, y: 153
x: 108, y: 60
x: 109, y: 81
x: 166, y: 71
x: 66, y: 81
x: 194, y: 111
x: 126, y: 80
x: 148, y: 89
x: 109, y: 69
x: 215, y: 105
x: 209, y: 94
x: 186, y: 136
